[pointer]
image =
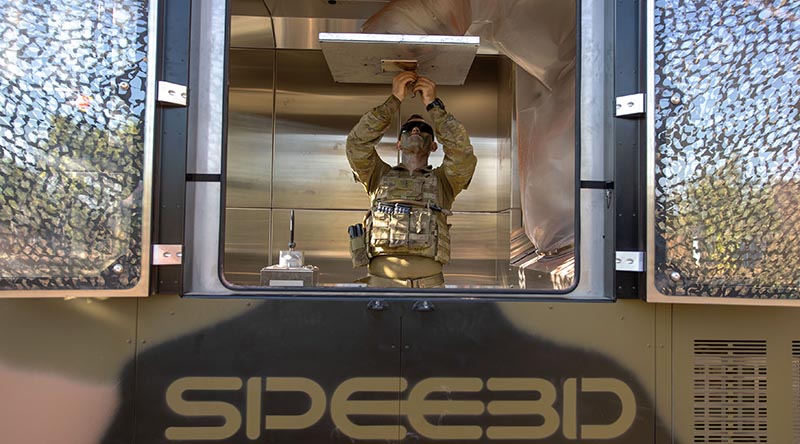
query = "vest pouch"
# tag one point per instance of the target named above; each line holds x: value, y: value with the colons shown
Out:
x: 399, y: 224
x: 358, y: 245
x: 378, y: 228
x: 412, y: 231
x: 358, y: 251
x: 442, y: 242
x: 421, y: 230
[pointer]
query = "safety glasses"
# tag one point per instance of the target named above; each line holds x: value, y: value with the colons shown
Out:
x: 409, y: 126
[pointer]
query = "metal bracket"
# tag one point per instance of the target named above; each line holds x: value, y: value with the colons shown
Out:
x: 630, y: 261
x: 632, y: 105
x: 164, y: 254
x: 171, y: 93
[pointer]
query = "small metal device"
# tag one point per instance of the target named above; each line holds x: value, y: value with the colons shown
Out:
x: 291, y: 270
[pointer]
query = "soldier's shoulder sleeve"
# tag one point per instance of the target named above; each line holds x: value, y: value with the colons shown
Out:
x: 459, y: 161
x: 364, y: 137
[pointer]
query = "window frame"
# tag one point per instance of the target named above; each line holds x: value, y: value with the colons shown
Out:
x: 205, y: 200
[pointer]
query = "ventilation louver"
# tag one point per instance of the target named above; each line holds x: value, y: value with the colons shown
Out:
x: 730, y: 391
x: 796, y: 391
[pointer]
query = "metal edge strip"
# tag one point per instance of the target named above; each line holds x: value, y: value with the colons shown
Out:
x: 142, y: 288
x: 332, y: 37
x: 652, y: 292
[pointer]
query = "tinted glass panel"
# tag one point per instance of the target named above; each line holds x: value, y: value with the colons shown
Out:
x: 72, y: 116
x: 727, y: 173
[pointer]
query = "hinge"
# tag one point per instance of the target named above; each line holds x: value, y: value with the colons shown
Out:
x: 630, y: 261
x: 171, y: 93
x: 630, y: 106
x: 167, y: 254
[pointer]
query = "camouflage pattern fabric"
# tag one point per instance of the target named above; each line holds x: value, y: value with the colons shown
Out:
x: 436, y: 186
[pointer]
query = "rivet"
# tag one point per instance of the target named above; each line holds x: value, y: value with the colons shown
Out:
x: 675, y: 99
x: 675, y: 276
x: 124, y: 85
x: 118, y: 268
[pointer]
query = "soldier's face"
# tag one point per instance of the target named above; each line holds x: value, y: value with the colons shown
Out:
x: 416, y: 137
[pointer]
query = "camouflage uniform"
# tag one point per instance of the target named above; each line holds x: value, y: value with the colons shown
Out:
x: 408, y: 237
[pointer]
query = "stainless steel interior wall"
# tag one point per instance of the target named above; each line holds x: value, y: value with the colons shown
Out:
x: 506, y: 168
x: 307, y: 169
x: 248, y: 164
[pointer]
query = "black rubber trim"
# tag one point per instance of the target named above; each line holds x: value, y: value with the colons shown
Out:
x: 191, y: 177
x: 597, y: 185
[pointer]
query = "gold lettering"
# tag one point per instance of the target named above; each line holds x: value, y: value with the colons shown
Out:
x: 253, y: 415
x: 569, y: 417
x: 417, y: 407
x: 626, y: 417
x: 175, y: 401
x: 342, y: 407
x: 541, y: 407
x: 296, y: 422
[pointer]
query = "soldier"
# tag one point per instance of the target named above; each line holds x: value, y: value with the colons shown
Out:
x: 407, y: 238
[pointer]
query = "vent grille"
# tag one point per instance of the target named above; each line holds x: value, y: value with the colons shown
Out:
x: 730, y: 391
x: 796, y: 391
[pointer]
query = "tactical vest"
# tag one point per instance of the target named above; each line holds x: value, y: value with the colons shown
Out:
x: 406, y: 217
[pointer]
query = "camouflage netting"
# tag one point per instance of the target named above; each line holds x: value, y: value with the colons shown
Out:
x: 72, y: 95
x: 727, y: 165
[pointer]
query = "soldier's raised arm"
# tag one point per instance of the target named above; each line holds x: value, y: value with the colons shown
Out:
x: 459, y: 159
x: 364, y: 137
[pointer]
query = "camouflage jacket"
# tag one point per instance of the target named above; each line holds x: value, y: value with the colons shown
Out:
x: 456, y: 169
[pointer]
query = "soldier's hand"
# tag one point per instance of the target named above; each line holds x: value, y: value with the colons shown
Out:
x: 426, y: 88
x: 401, y: 82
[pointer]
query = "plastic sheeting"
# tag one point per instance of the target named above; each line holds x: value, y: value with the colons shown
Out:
x: 539, y: 36
x: 424, y: 17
